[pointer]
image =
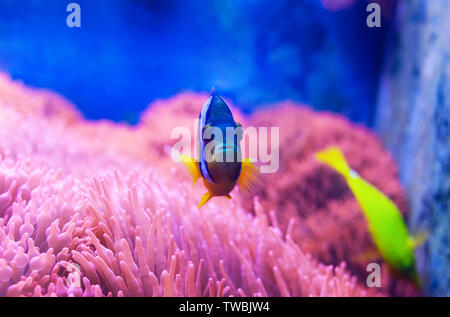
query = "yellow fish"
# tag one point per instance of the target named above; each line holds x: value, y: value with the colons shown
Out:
x: 219, y: 165
x: 386, y: 225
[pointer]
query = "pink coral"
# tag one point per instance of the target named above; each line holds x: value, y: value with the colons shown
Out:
x: 329, y: 219
x: 98, y: 209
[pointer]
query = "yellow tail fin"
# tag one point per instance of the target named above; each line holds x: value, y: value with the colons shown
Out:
x: 191, y: 165
x: 205, y: 198
x: 249, y: 175
x: 420, y: 238
x: 334, y: 158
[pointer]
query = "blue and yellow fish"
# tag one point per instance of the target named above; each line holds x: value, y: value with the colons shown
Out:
x: 220, y: 164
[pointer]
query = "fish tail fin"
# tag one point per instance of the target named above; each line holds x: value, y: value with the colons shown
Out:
x: 205, y: 198
x: 420, y: 238
x: 334, y: 158
x: 192, y: 167
x: 249, y: 175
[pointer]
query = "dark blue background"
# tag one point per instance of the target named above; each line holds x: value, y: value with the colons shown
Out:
x: 129, y: 52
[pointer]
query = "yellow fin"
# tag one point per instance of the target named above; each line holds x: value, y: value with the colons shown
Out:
x: 191, y: 165
x: 366, y: 256
x: 248, y: 176
x: 420, y: 238
x: 205, y: 198
x: 333, y: 157
x: 227, y: 196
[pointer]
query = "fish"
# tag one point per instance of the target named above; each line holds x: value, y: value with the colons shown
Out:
x: 220, y: 164
x: 385, y: 222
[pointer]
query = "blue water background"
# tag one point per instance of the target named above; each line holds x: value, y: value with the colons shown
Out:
x: 130, y: 52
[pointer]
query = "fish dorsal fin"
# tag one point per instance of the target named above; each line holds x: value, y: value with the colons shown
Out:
x: 249, y: 175
x: 192, y: 167
x: 334, y: 158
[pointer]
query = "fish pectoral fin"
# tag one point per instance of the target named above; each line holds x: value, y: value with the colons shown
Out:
x: 249, y: 175
x: 333, y: 157
x: 227, y: 196
x: 192, y: 167
x: 366, y: 256
x: 205, y: 198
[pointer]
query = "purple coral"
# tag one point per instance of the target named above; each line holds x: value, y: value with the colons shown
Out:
x: 98, y: 209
